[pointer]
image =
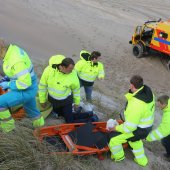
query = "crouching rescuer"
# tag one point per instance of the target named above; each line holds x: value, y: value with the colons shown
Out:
x: 60, y: 86
x: 22, y: 86
x: 139, y: 117
x: 162, y: 132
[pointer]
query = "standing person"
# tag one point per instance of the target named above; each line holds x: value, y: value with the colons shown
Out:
x: 60, y: 85
x: 22, y: 86
x: 163, y: 130
x: 88, y: 69
x: 139, y: 117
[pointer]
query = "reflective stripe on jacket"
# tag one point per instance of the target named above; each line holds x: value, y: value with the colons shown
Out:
x: 163, y: 129
x: 138, y: 113
x: 18, y: 67
x: 59, y: 85
x: 87, y: 70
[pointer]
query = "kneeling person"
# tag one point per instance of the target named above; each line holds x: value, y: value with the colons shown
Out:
x: 163, y: 130
x: 60, y: 85
x: 22, y: 86
x: 139, y: 116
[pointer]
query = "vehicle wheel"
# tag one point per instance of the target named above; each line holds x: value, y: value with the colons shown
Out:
x: 138, y: 50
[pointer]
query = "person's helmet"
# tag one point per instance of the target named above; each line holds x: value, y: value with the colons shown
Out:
x: 56, y: 59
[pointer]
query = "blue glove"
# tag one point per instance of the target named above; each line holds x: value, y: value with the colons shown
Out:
x: 4, y: 85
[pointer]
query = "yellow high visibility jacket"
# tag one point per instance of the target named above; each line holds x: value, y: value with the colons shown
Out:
x: 88, y: 71
x: 18, y: 67
x: 59, y: 85
x: 139, y: 111
x: 163, y: 129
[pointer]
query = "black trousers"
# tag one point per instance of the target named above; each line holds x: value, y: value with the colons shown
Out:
x: 140, y: 133
x: 63, y: 107
x: 66, y: 112
x: 166, y: 143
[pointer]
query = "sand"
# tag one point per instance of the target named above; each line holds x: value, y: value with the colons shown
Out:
x: 45, y: 28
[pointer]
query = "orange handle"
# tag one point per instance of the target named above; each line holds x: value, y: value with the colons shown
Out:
x: 2, y: 91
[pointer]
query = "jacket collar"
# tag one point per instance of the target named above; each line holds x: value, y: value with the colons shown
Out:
x: 129, y: 95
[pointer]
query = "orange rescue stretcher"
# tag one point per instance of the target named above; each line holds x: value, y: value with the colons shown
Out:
x: 79, y: 138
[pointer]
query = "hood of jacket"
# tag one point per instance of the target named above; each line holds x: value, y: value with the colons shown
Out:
x: 84, y: 55
x: 145, y: 94
x: 56, y: 59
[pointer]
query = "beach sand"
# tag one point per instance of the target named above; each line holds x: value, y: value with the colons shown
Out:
x: 45, y: 28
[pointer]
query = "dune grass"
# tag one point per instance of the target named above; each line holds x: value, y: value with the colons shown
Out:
x: 20, y: 150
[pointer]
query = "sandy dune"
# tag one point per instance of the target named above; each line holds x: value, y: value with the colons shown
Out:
x: 49, y: 27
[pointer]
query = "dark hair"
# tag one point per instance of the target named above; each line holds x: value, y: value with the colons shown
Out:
x: 137, y: 81
x: 67, y: 61
x: 163, y: 99
x: 94, y: 55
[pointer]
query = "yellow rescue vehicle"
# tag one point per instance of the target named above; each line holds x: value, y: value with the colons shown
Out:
x: 153, y: 35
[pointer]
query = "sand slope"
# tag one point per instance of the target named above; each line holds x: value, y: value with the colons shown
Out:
x: 49, y: 27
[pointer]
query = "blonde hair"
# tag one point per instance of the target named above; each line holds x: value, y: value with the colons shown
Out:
x: 3, y: 48
x: 2, y: 43
x: 163, y: 99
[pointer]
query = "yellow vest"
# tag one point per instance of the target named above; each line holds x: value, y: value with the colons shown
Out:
x: 18, y: 67
x: 87, y: 71
x: 164, y: 128
x: 137, y: 114
x: 59, y: 85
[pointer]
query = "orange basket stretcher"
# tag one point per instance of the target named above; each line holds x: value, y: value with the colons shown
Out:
x: 65, y: 132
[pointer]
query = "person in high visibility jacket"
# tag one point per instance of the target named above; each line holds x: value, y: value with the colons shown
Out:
x: 22, y: 86
x: 163, y: 130
x: 139, y: 117
x: 59, y: 85
x: 88, y: 69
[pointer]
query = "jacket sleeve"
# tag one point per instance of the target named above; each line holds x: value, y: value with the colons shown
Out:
x: 162, y: 131
x: 43, y: 86
x: 133, y: 114
x: 22, y: 76
x: 101, y: 71
x: 75, y: 87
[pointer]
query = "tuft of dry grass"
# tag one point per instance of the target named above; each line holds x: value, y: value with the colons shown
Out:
x: 21, y: 150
